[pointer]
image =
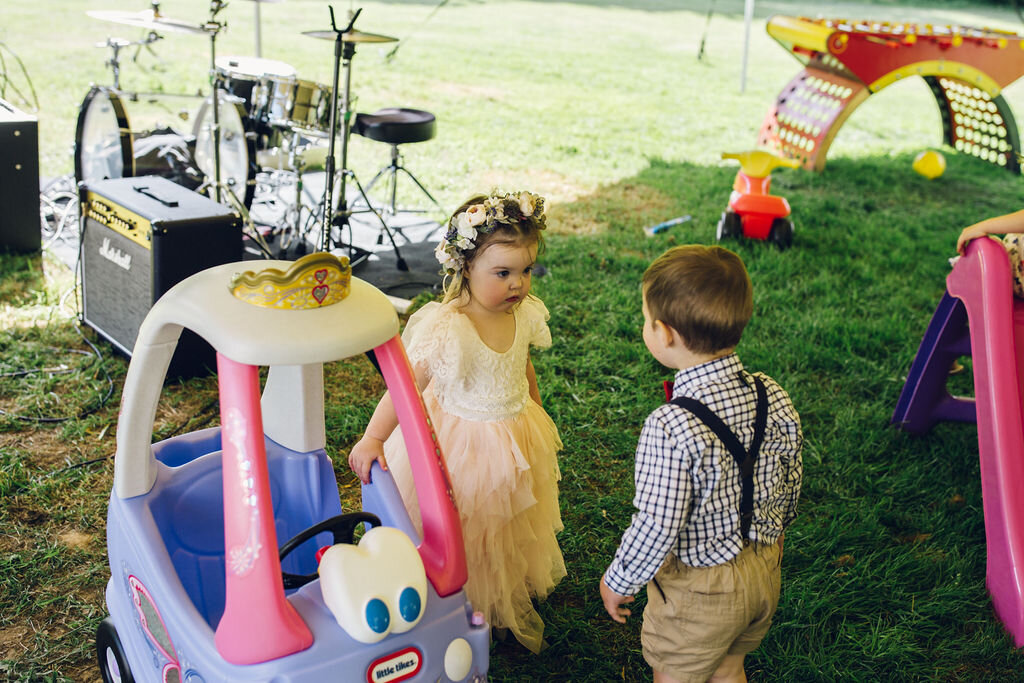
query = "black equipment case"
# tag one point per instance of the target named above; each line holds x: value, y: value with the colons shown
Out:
x: 19, y: 180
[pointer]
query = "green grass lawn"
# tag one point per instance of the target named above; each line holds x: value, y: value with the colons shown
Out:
x: 602, y: 107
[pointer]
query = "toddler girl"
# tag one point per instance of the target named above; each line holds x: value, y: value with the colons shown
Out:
x: 471, y: 357
x: 1012, y: 226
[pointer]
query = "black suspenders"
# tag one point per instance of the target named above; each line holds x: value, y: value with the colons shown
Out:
x: 744, y: 458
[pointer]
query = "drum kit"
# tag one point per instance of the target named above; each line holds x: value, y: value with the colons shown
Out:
x: 259, y: 119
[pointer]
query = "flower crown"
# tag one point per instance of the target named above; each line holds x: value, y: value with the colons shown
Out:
x: 483, y: 218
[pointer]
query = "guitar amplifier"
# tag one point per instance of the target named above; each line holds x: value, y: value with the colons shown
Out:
x: 139, y: 237
x: 19, y: 180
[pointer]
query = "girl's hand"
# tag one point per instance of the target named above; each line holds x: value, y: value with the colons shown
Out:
x: 362, y: 456
x: 613, y: 603
x: 967, y: 234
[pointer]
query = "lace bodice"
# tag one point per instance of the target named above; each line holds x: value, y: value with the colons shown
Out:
x: 471, y: 380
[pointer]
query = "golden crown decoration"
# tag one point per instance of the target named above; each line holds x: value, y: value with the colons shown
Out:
x: 315, y: 280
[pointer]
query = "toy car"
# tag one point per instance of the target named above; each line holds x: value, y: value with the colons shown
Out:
x: 752, y: 211
x: 199, y: 591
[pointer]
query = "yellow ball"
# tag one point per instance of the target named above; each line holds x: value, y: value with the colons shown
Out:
x: 930, y: 164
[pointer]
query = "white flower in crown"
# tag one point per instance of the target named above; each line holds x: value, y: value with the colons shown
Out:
x: 475, y: 215
x: 527, y: 203
x: 462, y: 226
x: 445, y: 256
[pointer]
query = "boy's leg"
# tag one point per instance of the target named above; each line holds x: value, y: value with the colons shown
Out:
x: 729, y: 671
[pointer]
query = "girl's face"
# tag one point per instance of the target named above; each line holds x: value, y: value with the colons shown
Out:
x: 500, y: 277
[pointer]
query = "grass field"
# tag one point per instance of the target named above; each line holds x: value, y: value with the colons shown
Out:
x: 602, y: 107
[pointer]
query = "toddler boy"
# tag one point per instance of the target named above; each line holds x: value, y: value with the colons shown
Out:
x: 717, y: 478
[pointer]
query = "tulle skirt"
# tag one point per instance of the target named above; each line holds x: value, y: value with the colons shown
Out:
x: 504, y: 476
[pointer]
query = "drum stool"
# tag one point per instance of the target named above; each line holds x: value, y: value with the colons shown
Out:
x: 397, y: 126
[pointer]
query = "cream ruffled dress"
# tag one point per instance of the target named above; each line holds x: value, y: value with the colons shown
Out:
x: 500, y: 448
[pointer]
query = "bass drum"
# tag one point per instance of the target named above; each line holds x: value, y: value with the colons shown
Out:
x: 103, y: 139
x: 237, y: 147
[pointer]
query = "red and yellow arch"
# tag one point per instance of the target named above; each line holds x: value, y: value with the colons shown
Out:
x: 846, y: 61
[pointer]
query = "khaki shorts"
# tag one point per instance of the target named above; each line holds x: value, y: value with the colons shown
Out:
x: 695, y: 616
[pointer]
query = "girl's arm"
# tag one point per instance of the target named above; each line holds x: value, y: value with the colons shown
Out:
x: 531, y: 378
x: 1011, y: 222
x: 382, y: 423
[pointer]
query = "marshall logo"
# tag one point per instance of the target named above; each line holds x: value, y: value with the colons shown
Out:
x: 115, y: 255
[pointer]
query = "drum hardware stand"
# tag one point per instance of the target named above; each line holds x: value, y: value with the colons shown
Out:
x: 343, y: 53
x: 116, y: 45
x: 294, y: 230
x: 390, y: 175
x: 213, y: 28
x: 150, y: 38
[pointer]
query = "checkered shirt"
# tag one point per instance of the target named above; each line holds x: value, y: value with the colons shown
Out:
x: 688, y: 487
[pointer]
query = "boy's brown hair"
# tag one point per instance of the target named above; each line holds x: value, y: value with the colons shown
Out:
x: 703, y: 293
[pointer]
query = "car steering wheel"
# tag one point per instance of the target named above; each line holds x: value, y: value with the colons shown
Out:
x: 341, y: 526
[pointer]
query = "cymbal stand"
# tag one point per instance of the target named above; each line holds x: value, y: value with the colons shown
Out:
x: 213, y: 28
x: 343, y: 52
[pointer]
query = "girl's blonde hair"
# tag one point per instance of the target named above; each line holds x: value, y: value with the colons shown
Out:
x: 481, y: 222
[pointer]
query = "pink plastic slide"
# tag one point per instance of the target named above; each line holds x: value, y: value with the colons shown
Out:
x: 981, y: 279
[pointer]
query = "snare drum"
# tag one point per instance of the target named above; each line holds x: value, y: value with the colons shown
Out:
x: 237, y: 146
x: 103, y: 140
x: 244, y: 76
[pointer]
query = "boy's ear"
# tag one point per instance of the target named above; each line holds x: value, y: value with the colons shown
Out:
x: 666, y: 333
x: 672, y: 336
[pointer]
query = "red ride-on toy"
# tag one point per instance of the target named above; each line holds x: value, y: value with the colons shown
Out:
x: 752, y: 211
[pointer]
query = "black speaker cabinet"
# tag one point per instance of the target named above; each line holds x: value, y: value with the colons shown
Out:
x: 140, y: 237
x: 19, y: 180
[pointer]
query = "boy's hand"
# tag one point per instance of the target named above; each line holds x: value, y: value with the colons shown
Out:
x: 613, y: 603
x: 361, y: 458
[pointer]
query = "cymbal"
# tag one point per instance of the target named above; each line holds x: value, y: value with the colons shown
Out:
x: 351, y: 37
x: 146, y: 19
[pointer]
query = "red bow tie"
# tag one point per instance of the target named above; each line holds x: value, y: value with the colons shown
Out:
x: 668, y: 389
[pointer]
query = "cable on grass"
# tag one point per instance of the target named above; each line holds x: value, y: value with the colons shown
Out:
x: 75, y: 466
x: 58, y: 209
x: 88, y: 410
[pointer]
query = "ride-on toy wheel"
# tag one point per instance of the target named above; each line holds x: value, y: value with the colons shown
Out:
x: 341, y: 526
x: 729, y: 225
x: 781, y: 233
x: 112, y: 661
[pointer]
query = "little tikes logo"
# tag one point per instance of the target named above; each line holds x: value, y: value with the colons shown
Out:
x: 115, y: 255
x: 395, y: 667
